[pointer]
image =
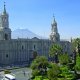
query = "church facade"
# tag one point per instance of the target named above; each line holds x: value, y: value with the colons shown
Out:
x: 15, y: 51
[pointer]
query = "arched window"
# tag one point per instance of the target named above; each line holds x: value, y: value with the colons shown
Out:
x: 22, y: 47
x: 6, y: 37
x: 6, y: 55
x: 34, y: 47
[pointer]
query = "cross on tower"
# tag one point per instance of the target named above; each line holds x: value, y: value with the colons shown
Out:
x: 4, y: 8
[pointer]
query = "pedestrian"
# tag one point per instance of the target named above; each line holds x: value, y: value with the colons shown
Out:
x: 24, y: 73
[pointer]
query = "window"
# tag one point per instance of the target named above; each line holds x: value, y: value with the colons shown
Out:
x: 22, y: 47
x: 6, y: 37
x: 34, y: 47
x: 6, y: 55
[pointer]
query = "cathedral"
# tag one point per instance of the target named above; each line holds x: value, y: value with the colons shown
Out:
x: 19, y: 51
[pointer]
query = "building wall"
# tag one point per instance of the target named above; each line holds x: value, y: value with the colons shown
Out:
x: 21, y: 50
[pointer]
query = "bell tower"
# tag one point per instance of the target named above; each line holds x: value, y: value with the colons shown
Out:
x: 5, y: 31
x: 54, y: 36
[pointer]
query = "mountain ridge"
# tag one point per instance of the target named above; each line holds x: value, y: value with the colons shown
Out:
x: 24, y: 33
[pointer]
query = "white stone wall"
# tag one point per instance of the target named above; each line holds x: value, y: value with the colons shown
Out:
x: 21, y: 50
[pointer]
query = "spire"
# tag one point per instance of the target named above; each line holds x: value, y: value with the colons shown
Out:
x: 54, y: 17
x: 54, y: 21
x: 4, y: 8
x: 54, y: 36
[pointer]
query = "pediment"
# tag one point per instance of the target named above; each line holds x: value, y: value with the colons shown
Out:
x: 35, y: 38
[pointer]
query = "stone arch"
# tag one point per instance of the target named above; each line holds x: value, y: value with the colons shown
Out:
x: 6, y: 36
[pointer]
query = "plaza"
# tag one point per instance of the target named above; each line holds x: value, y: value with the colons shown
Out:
x: 19, y: 74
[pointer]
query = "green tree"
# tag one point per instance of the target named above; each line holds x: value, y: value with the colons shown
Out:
x: 53, y: 72
x: 34, y: 54
x: 75, y: 43
x: 40, y: 65
x: 63, y: 58
x: 55, y: 48
x: 77, y: 66
x: 66, y: 74
x: 35, y: 72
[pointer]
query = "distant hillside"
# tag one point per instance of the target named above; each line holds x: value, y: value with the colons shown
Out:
x: 23, y: 33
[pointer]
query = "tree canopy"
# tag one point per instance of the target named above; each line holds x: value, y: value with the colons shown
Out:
x: 64, y: 58
x: 75, y: 43
x: 53, y: 72
x: 40, y: 65
x: 55, y: 48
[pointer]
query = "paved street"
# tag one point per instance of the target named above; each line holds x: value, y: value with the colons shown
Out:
x: 20, y: 74
x: 1, y: 75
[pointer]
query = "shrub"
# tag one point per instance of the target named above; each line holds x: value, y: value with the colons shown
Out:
x: 65, y: 73
x: 35, y: 72
x: 77, y: 66
x: 7, y: 72
x: 63, y: 59
x: 53, y: 72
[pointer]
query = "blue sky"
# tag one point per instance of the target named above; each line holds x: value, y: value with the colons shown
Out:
x: 37, y: 15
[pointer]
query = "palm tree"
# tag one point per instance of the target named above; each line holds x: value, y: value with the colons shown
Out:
x: 40, y: 64
x: 55, y: 50
x: 34, y: 54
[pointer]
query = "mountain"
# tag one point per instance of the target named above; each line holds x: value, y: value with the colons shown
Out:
x: 23, y: 33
